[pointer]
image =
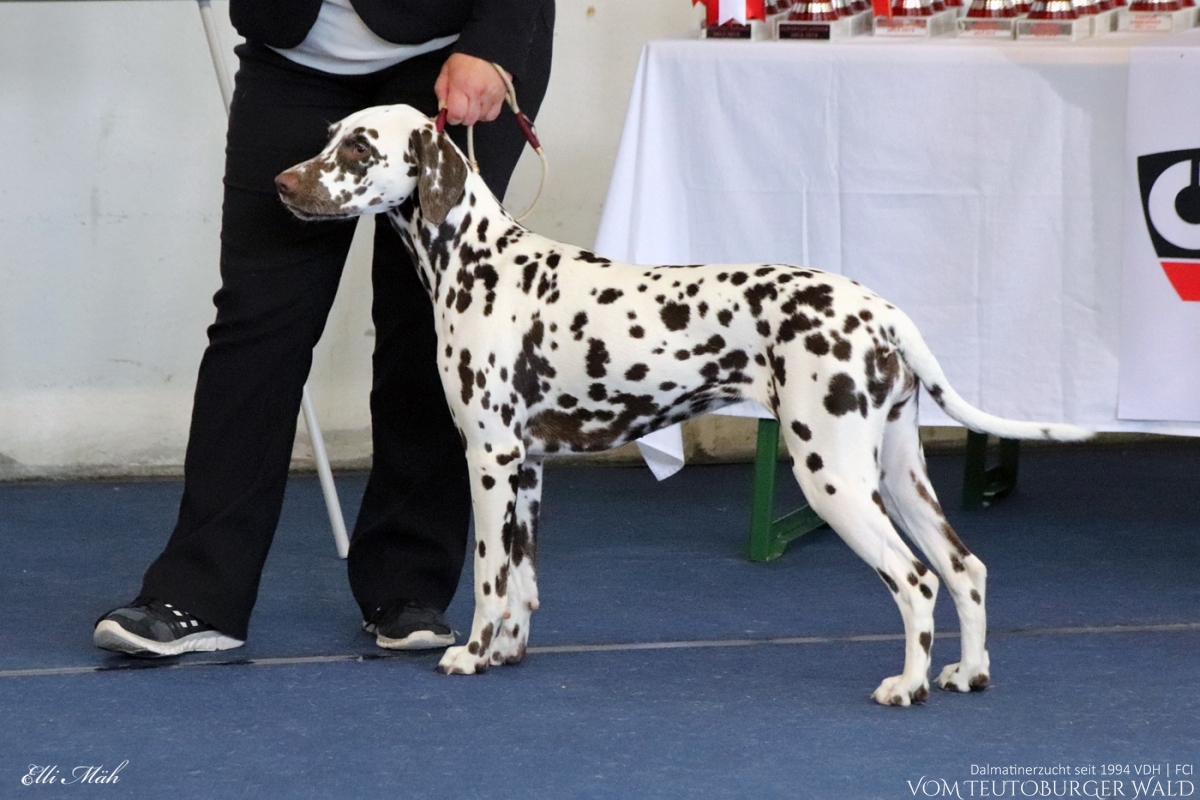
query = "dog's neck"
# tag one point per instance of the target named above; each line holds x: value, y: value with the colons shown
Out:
x: 437, y: 248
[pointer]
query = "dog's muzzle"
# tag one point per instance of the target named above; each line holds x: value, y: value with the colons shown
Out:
x: 305, y: 195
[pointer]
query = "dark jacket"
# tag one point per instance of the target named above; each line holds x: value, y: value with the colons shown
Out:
x: 494, y: 30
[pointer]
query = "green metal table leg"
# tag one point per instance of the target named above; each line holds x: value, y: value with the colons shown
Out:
x: 770, y: 537
x: 984, y: 485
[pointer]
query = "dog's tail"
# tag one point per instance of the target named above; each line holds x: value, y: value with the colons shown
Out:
x: 922, y: 361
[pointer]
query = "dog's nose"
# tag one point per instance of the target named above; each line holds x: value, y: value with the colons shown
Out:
x: 286, y: 183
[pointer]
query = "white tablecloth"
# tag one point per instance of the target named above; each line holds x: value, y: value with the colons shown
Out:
x: 978, y: 186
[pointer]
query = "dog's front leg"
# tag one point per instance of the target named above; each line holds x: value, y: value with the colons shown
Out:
x: 508, y: 646
x: 495, y: 477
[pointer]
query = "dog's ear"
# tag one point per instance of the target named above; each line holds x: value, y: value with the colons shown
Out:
x: 441, y: 174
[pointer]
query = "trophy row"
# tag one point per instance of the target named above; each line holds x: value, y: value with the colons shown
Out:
x: 990, y: 19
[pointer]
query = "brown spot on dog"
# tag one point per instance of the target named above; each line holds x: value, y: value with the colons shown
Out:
x: 734, y: 359
x: 891, y: 584
x: 527, y: 478
x: 466, y: 375
x: 814, y: 462
x: 794, y: 324
x: 577, y: 325
x: 882, y: 370
x: 714, y: 345
x: 926, y: 640
x: 675, y: 316
x: 531, y: 366
x: 955, y: 542
x: 842, y: 397
x: 502, y: 580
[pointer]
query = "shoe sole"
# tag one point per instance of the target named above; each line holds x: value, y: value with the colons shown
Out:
x: 111, y: 636
x: 418, y: 640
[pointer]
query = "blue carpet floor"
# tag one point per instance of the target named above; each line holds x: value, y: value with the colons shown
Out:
x: 1094, y: 601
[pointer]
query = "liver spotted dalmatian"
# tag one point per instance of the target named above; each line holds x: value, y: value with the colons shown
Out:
x: 547, y: 348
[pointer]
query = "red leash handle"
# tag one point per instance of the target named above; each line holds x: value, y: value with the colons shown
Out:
x: 441, y: 121
x: 526, y: 125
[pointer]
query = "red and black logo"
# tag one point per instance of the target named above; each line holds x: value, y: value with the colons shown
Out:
x: 1170, y: 185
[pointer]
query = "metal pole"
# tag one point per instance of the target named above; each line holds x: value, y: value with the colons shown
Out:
x: 332, y: 505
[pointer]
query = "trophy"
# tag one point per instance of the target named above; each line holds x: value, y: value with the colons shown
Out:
x: 1157, y: 16
x: 1102, y: 13
x: 989, y: 19
x: 822, y: 20
x: 1054, y: 19
x: 734, y: 19
x: 1155, y: 5
x: 813, y: 11
x: 916, y: 18
x: 1053, y: 10
x: 992, y: 9
x: 912, y: 8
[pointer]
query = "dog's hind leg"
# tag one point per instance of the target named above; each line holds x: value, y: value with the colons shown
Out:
x: 508, y: 646
x: 835, y: 466
x: 910, y: 499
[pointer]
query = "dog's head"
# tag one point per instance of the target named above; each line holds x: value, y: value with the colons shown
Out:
x: 376, y: 158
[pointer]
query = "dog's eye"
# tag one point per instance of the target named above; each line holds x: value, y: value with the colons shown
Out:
x: 356, y: 148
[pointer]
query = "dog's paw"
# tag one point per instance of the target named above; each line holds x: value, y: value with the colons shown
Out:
x: 509, y: 647
x: 901, y: 691
x: 961, y: 678
x: 461, y: 661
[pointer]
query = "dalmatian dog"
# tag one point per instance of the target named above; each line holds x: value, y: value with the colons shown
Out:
x: 546, y: 348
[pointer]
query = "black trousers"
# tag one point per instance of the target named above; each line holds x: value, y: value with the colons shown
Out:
x: 279, y: 277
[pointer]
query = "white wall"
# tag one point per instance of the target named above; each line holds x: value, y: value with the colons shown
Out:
x: 112, y: 130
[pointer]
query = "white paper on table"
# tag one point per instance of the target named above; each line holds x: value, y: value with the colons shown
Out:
x: 663, y: 449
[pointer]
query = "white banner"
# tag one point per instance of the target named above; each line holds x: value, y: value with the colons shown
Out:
x: 1160, y: 303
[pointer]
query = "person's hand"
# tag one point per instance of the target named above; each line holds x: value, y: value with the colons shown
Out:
x: 470, y: 90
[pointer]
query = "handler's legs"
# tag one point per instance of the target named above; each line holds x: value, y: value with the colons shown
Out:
x: 279, y: 276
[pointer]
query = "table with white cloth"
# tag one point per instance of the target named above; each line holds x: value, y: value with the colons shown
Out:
x: 978, y: 186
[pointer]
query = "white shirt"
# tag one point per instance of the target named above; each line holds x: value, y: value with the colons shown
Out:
x: 341, y: 43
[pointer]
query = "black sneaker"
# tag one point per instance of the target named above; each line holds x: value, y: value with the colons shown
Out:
x: 409, y: 625
x: 151, y: 629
